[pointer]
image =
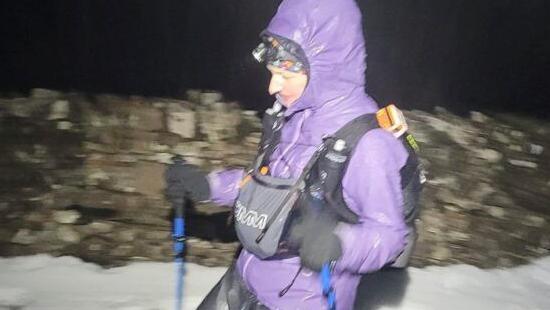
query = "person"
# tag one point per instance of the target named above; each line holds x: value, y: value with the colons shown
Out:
x: 315, y: 51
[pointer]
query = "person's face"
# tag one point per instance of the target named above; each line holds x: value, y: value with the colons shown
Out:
x: 289, y: 85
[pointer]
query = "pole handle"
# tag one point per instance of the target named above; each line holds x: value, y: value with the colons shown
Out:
x: 178, y: 204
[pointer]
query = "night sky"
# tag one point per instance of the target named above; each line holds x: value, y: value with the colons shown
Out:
x: 460, y: 54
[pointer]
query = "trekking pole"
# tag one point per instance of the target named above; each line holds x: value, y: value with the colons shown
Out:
x: 328, y: 291
x: 178, y: 236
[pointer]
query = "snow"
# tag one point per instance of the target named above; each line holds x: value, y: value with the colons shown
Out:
x: 45, y: 282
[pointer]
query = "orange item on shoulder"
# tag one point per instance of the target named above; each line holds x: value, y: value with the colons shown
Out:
x: 392, y: 119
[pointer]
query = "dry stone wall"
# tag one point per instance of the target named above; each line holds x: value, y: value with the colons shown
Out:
x: 82, y: 175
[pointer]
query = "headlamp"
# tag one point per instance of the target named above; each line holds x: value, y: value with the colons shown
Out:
x: 280, y: 53
x: 259, y: 52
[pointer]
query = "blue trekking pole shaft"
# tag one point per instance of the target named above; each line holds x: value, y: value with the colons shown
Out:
x: 179, y: 246
x: 178, y: 235
x: 328, y: 291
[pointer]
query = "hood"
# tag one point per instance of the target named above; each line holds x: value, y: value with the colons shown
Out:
x: 331, y: 35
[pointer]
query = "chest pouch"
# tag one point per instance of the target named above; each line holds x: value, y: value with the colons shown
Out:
x: 263, y: 211
x: 265, y: 206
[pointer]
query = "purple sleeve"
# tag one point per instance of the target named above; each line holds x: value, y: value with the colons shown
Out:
x: 224, y: 186
x: 372, y: 189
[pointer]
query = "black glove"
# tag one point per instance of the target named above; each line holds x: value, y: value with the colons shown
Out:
x: 183, y: 180
x: 316, y: 241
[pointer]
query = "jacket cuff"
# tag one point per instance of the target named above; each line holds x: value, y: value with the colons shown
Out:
x: 224, y: 185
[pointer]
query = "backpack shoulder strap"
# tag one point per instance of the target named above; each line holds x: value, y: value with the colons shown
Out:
x: 330, y: 166
x: 272, y: 123
x: 355, y: 129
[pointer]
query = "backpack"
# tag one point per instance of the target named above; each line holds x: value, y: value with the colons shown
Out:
x: 264, y: 207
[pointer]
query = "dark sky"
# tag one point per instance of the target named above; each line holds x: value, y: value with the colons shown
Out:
x: 460, y: 54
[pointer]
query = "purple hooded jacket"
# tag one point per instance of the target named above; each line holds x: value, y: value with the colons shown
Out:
x: 330, y: 33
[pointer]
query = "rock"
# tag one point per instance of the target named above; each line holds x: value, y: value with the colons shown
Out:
x: 195, y: 161
x: 441, y: 253
x: 49, y: 236
x: 181, y: 121
x: 489, y: 155
x: 25, y: 108
x: 156, y: 252
x: 193, y: 148
x: 97, y: 147
x: 94, y: 247
x: 537, y: 250
x: 252, y: 139
x: 545, y: 242
x: 42, y: 93
x: 67, y: 234
x: 145, y: 118
x: 158, y: 147
x: 25, y: 237
x: 127, y: 235
x: 495, y: 211
x: 193, y: 95
x: 481, y: 140
x: 204, y: 244
x: 210, y: 97
x: 535, y: 149
x: 135, y: 112
x: 523, y: 163
x: 500, y: 137
x: 230, y: 247
x: 50, y: 226
x: 220, y: 107
x: 534, y: 221
x: 250, y: 113
x: 217, y: 127
x: 36, y: 217
x: 451, y: 208
x: 157, y: 235
x: 59, y: 110
x: 100, y: 227
x: 481, y: 191
x: 210, y: 262
x: 146, y: 178
x: 125, y: 158
x: 163, y: 158
x: 123, y: 250
x: 458, y: 236
x: 517, y: 134
x: 478, y: 117
x: 96, y: 177
x: 95, y: 120
x: 66, y: 217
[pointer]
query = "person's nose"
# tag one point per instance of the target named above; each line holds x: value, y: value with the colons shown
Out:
x: 275, y: 84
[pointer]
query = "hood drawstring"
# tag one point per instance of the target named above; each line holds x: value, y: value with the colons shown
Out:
x: 287, y: 288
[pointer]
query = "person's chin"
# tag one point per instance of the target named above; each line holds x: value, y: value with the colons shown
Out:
x: 286, y: 101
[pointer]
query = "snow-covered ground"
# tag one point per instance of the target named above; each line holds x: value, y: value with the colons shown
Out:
x: 48, y: 283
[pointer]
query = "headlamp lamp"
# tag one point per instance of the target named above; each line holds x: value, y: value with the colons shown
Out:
x: 280, y: 53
